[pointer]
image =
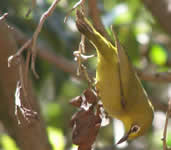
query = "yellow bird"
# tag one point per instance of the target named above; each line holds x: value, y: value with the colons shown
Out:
x: 121, y: 92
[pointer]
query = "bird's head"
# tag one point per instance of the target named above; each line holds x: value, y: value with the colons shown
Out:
x: 136, y: 128
x: 131, y: 134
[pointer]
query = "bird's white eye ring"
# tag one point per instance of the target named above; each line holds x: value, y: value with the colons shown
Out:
x: 135, y: 128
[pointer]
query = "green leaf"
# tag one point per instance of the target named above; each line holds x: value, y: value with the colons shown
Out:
x: 142, y: 28
x: 123, y: 15
x: 158, y: 55
x: 169, y: 139
x: 52, y: 110
x: 8, y: 143
x: 124, y: 18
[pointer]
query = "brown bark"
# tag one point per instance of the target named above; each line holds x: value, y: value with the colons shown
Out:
x: 161, y: 10
x: 28, y: 136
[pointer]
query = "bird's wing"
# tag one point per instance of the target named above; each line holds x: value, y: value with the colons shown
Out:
x: 118, y: 47
x: 132, y: 91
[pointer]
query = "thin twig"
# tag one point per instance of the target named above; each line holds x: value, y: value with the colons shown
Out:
x: 26, y: 71
x: 33, y: 4
x: 87, y: 76
x: 82, y: 43
x: 22, y: 78
x: 23, y: 74
x: 3, y: 16
x: 15, y: 59
x: 34, y: 39
x: 165, y: 127
x: 80, y: 2
x: 81, y: 49
x: 37, y: 31
x: 154, y: 77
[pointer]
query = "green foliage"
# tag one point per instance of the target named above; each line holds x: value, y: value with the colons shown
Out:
x: 52, y: 112
x: 169, y: 138
x: 158, y: 54
x: 56, y: 138
x: 7, y: 143
x: 158, y: 141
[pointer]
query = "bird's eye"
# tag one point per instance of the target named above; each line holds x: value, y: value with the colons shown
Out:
x: 135, y: 128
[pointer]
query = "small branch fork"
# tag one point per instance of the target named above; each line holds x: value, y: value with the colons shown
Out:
x: 79, y: 55
x: 16, y: 59
x: 36, y: 33
x: 79, y: 3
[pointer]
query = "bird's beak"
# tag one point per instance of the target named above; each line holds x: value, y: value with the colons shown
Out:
x: 124, y: 138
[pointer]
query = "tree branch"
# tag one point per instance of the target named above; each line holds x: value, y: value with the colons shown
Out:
x: 154, y: 77
x: 37, y: 31
x: 28, y: 135
x: 161, y: 10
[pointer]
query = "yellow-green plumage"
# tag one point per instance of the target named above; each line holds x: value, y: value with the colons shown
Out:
x: 120, y: 90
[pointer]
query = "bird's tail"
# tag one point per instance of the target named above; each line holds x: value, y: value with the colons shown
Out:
x: 103, y: 46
